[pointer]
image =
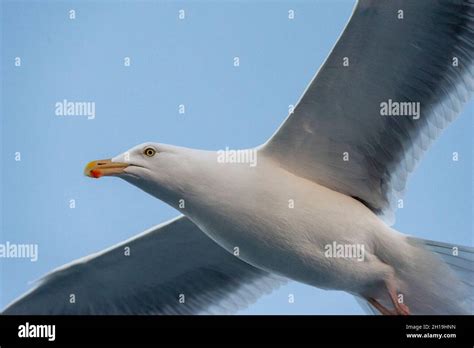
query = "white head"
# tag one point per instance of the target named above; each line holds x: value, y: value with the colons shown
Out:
x: 161, y: 170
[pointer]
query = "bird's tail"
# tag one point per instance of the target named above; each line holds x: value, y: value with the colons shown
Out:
x: 437, y: 279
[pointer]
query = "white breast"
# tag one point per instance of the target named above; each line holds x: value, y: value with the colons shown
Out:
x: 282, y: 223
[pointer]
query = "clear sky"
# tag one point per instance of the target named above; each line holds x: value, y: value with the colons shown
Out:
x: 173, y: 61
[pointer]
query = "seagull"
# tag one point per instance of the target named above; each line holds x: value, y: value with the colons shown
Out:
x: 323, y: 189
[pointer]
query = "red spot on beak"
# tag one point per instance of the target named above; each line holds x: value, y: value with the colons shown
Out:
x: 96, y: 173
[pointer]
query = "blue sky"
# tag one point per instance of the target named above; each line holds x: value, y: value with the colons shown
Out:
x: 173, y: 62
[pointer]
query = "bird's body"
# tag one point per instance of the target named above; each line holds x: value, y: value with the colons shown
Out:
x: 280, y: 222
x: 285, y: 225
x: 329, y: 180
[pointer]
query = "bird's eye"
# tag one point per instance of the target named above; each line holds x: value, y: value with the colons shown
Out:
x: 149, y: 151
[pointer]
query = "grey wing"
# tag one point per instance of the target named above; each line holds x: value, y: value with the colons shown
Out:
x: 401, y: 50
x: 173, y: 268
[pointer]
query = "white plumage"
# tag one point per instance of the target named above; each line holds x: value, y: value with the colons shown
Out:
x: 340, y: 163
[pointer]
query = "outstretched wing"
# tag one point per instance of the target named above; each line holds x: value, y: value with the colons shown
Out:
x: 173, y: 268
x: 417, y: 52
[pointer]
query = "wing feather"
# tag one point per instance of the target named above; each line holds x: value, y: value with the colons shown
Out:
x: 167, y: 261
x: 403, y: 60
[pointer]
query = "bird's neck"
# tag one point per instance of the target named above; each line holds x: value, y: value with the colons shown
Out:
x: 208, y: 179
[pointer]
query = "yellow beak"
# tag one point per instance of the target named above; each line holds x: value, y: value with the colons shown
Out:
x: 96, y: 169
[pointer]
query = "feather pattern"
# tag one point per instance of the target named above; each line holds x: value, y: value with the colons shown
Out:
x: 173, y: 268
x: 399, y: 50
